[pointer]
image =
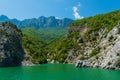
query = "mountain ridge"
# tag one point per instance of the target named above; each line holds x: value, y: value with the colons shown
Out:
x: 40, y: 22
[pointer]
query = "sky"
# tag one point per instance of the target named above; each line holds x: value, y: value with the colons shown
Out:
x: 74, y: 9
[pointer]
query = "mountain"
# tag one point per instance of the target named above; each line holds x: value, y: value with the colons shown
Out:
x: 15, y: 21
x: 37, y: 42
x: 3, y: 18
x: 11, y: 51
x: 90, y: 42
x: 95, y: 41
x: 38, y: 34
x: 41, y: 22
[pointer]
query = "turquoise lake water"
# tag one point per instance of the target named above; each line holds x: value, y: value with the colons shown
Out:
x: 57, y: 72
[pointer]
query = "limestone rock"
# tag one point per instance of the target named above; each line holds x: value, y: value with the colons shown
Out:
x: 11, y: 51
x: 108, y: 57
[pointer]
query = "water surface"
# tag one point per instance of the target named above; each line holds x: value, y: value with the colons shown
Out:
x: 57, y: 72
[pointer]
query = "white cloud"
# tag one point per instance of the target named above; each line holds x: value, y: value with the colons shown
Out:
x: 58, y: 17
x: 76, y: 13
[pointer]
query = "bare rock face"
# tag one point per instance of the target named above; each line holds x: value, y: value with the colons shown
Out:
x: 109, y: 53
x: 11, y: 51
x: 97, y: 43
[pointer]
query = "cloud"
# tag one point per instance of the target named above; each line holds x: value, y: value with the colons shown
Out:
x: 76, y: 13
x: 58, y: 17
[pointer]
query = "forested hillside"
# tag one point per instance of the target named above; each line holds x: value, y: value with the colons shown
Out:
x: 38, y: 42
x: 92, y: 42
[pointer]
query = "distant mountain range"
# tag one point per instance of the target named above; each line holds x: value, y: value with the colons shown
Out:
x: 40, y: 22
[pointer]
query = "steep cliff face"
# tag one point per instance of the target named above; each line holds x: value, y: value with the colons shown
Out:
x: 11, y: 52
x: 105, y: 53
x: 97, y: 41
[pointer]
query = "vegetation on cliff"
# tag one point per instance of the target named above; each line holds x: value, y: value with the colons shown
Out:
x: 81, y: 41
x: 97, y: 22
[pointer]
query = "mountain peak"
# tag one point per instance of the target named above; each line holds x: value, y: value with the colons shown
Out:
x: 3, y: 18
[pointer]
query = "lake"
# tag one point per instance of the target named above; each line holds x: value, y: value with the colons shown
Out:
x: 57, y: 72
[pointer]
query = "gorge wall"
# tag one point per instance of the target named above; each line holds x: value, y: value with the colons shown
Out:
x: 97, y: 41
x: 11, y: 51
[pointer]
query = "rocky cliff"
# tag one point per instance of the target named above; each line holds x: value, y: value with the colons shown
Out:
x: 106, y: 54
x: 11, y: 52
x: 97, y: 41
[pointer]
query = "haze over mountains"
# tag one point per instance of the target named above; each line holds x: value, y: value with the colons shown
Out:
x: 41, y: 22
